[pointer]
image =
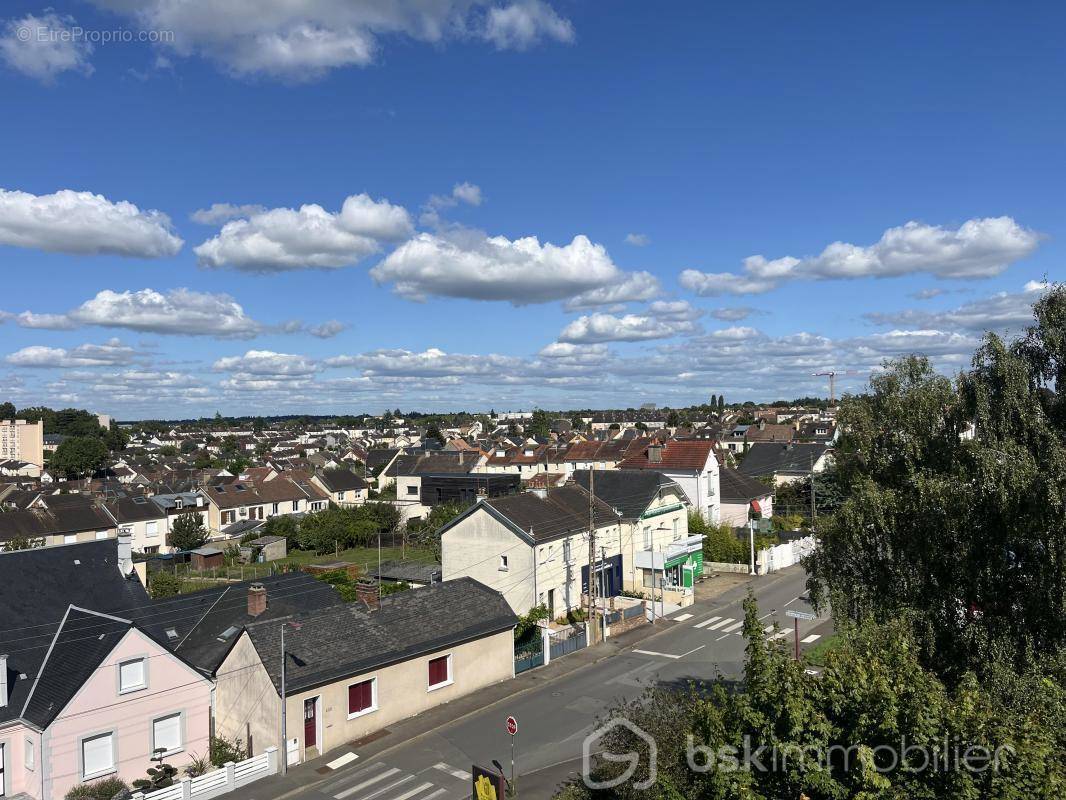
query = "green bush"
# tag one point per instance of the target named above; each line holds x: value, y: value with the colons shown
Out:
x: 388, y: 588
x: 224, y: 750
x: 164, y: 584
x: 97, y: 790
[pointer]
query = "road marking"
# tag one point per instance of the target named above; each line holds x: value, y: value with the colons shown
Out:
x: 347, y: 758
x: 413, y: 792
x: 682, y: 617
x: 669, y: 655
x: 812, y: 638
x: 768, y: 628
x: 790, y: 602
x: 717, y: 625
x: 705, y: 622
x: 733, y: 627
x: 386, y: 774
x: 392, y: 785
x: 344, y: 779
x: 437, y: 793
x: 452, y: 771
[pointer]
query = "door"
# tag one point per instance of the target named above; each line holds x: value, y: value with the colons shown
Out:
x: 310, y: 723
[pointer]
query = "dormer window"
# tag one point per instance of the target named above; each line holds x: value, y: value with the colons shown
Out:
x: 179, y: 503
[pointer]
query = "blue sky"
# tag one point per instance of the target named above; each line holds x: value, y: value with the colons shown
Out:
x: 649, y: 151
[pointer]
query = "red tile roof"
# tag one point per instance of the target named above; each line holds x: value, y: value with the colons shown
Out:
x: 676, y: 454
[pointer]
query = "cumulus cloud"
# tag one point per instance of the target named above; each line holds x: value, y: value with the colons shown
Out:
x: 266, y: 362
x: 428, y: 363
x: 634, y: 287
x: 1002, y: 311
x: 44, y: 46
x: 979, y: 248
x: 51, y: 322
x: 223, y: 212
x: 300, y: 40
x: 470, y: 265
x: 468, y: 193
x: 327, y: 329
x: 675, y: 310
x: 83, y: 223
x: 179, y: 311
x: 629, y: 328
x: 111, y: 353
x: 638, y: 239
x: 309, y: 237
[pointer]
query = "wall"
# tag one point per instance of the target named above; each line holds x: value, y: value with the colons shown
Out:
x: 736, y: 514
x: 17, y: 778
x: 172, y: 686
x: 246, y: 700
x: 472, y: 547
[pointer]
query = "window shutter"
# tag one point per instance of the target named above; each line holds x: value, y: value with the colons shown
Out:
x: 97, y: 754
x: 167, y: 732
x: 360, y: 696
x: 438, y: 670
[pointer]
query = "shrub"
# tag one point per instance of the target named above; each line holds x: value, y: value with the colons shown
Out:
x: 197, y: 766
x: 164, y: 584
x: 224, y: 750
x: 97, y: 790
x: 393, y: 588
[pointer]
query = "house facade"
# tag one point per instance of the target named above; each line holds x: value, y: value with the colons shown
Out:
x: 691, y: 463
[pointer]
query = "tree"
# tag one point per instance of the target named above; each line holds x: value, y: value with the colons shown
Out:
x: 673, y: 419
x: 967, y: 535
x: 721, y: 403
x: 163, y: 584
x: 7, y: 410
x: 23, y: 543
x: 714, y: 402
x: 187, y: 532
x: 79, y: 456
x: 539, y: 425
x: 433, y: 432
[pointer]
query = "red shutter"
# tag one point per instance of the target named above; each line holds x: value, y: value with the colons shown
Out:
x: 438, y: 670
x: 360, y: 696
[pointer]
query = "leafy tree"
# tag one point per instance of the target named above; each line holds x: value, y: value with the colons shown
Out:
x: 23, y: 543
x: 79, y: 456
x: 673, y: 419
x: 7, y: 410
x: 540, y: 424
x: 189, y: 447
x: 187, y: 532
x: 721, y: 403
x: 433, y: 432
x: 163, y: 584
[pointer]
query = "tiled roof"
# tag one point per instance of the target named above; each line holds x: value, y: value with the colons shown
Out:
x: 677, y: 454
x: 559, y: 512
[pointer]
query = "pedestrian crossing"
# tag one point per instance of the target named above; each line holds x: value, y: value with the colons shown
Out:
x: 733, y: 625
x: 380, y: 781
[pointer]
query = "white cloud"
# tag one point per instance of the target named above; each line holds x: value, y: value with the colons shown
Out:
x: 223, y: 212
x: 470, y: 265
x: 979, y: 248
x: 638, y: 239
x: 522, y: 24
x: 428, y: 363
x: 51, y: 322
x: 468, y: 193
x: 179, y: 311
x: 928, y: 294
x: 266, y: 362
x: 675, y: 310
x: 733, y: 314
x: 1002, y: 311
x: 45, y: 46
x: 83, y: 223
x: 300, y: 40
x: 465, y: 192
x: 327, y: 329
x: 634, y: 287
x: 111, y: 353
x: 629, y: 328
x: 310, y: 237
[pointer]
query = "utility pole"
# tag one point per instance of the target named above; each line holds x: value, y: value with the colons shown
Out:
x: 592, y: 556
x: 814, y: 511
x: 284, y: 731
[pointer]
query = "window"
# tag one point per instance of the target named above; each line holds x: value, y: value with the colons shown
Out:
x: 277, y: 508
x: 29, y: 751
x: 362, y: 698
x: 412, y: 490
x: 503, y: 564
x: 101, y: 534
x: 227, y: 517
x: 132, y: 675
x: 440, y: 672
x: 97, y: 755
x: 166, y: 734
x: 151, y: 528
x: 70, y: 538
x: 179, y: 503
x: 677, y: 534
x: 647, y: 537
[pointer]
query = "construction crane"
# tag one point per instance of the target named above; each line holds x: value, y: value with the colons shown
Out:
x: 832, y: 375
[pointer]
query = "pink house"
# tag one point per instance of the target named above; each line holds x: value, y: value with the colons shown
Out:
x: 105, y: 699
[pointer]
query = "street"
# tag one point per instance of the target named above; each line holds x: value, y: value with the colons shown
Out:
x: 700, y: 642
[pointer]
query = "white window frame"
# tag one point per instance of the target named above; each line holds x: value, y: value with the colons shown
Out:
x: 373, y: 697
x: 443, y: 684
x: 29, y: 754
x: 86, y: 776
x: 504, y: 566
x: 70, y: 538
x: 144, y: 672
x: 181, y: 733
x: 151, y: 528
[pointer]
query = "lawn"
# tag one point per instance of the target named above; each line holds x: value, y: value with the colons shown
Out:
x: 816, y: 655
x: 365, y: 557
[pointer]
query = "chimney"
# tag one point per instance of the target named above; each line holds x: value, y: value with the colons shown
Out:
x: 366, y: 589
x: 125, y: 553
x: 655, y: 454
x: 762, y: 423
x: 541, y: 492
x: 3, y: 681
x: 257, y: 599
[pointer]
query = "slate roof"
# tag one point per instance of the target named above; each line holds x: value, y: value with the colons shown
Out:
x: 561, y: 511
x: 134, y: 509
x: 438, y: 461
x: 630, y: 491
x: 677, y: 454
x: 200, y: 618
x: 321, y: 645
x: 737, y: 487
x: 770, y: 459
x: 89, y: 576
x: 341, y: 480
x: 408, y: 571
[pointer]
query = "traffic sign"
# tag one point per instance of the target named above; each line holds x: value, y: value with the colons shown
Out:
x: 512, y: 726
x: 800, y: 614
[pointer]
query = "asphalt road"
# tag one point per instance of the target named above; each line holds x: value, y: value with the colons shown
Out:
x: 701, y: 642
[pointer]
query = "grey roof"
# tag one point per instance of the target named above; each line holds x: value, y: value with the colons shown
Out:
x: 769, y: 458
x: 134, y: 509
x: 739, y: 488
x: 346, y: 640
x: 559, y: 512
x: 243, y: 526
x: 265, y: 540
x: 438, y: 461
x: 407, y: 571
x: 630, y: 491
x: 341, y: 480
x: 32, y: 603
x: 64, y: 513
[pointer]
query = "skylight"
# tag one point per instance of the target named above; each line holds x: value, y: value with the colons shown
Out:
x: 171, y: 633
x: 228, y: 634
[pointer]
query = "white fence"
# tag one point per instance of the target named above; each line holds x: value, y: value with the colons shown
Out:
x: 784, y: 555
x: 226, y: 779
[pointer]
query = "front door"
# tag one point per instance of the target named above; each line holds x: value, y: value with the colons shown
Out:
x: 310, y: 724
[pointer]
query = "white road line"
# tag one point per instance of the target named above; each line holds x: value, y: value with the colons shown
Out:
x: 706, y: 622
x: 370, y: 782
x: 718, y: 625
x: 812, y: 638
x: 346, y: 778
x: 452, y: 771
x: 733, y: 627
x: 347, y: 758
x: 393, y: 785
x: 437, y: 793
x: 790, y: 602
x: 682, y: 617
x: 413, y: 792
x: 669, y: 655
x: 768, y: 628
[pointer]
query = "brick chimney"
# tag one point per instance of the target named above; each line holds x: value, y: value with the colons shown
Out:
x: 655, y: 454
x: 257, y: 599
x: 366, y: 590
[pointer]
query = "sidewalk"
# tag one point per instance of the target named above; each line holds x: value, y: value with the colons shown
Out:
x: 305, y: 776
